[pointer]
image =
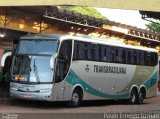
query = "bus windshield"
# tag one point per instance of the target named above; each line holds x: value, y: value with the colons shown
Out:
x: 32, y: 60
x: 37, y: 47
x: 35, y: 68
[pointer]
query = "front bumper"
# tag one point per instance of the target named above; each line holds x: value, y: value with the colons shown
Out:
x: 31, y: 95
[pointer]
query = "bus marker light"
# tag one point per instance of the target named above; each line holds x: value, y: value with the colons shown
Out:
x: 16, y: 78
x: 21, y: 78
x: 25, y: 78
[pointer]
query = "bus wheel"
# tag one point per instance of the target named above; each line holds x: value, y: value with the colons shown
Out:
x: 75, y: 99
x: 134, y: 97
x: 141, y: 96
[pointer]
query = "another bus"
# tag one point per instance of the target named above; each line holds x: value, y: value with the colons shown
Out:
x: 77, y: 68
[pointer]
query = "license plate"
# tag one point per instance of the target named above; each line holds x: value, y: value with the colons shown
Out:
x: 27, y: 95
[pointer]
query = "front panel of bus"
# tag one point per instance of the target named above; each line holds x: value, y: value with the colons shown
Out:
x: 32, y: 75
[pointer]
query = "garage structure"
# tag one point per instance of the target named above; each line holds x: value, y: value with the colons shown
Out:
x: 19, y: 21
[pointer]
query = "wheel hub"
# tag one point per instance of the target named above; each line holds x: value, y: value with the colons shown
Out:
x: 75, y: 98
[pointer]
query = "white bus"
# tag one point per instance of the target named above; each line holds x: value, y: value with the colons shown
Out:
x: 75, y: 68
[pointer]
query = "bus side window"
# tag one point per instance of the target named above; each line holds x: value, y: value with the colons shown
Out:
x: 109, y: 54
x: 149, y: 59
x: 87, y: 51
x: 145, y: 58
x: 142, y: 58
x: 130, y: 58
x: 78, y: 51
x: 66, y: 50
x: 124, y: 55
x: 138, y: 57
x: 135, y: 57
x: 81, y: 51
x: 95, y: 52
x: 154, y: 59
x: 115, y: 55
x: 103, y: 53
x: 75, y: 51
x: 120, y: 55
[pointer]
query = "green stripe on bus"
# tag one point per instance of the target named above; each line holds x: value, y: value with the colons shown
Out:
x: 139, y: 79
x: 74, y: 79
x: 152, y: 81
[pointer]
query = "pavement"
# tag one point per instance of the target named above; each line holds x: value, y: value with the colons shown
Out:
x: 88, y: 110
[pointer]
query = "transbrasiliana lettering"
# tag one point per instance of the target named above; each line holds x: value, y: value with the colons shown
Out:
x: 109, y: 69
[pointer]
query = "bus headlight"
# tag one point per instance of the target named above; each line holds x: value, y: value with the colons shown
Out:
x: 45, y: 90
x: 20, y: 78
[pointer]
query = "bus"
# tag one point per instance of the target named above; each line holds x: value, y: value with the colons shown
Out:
x: 77, y: 68
x: 159, y: 74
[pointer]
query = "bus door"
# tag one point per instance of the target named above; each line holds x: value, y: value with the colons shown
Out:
x: 61, y: 69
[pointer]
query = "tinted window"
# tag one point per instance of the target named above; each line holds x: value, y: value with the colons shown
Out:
x: 45, y: 47
x: 142, y: 57
x: 95, y: 52
x: 105, y: 53
x: 120, y: 55
x: 65, y: 50
x: 138, y: 57
x: 78, y: 51
x: 153, y: 58
x: 109, y: 54
x: 149, y: 59
x: 87, y: 51
x: 130, y: 59
x: 135, y: 56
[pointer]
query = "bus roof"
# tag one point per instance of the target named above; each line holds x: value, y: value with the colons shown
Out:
x: 86, y: 38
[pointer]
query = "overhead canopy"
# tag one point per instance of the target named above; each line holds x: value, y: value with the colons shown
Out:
x: 147, y: 15
x: 145, y: 5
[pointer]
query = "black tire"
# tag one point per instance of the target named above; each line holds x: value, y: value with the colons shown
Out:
x: 141, y: 97
x: 75, y: 99
x: 134, y: 98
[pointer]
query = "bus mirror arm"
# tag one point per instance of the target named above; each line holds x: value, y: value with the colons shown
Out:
x: 52, y: 60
